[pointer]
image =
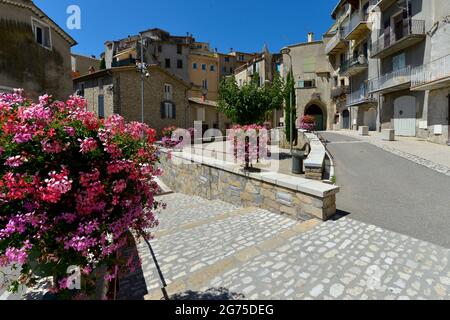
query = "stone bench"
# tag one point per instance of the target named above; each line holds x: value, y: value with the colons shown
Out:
x: 363, y: 131
x: 314, y: 164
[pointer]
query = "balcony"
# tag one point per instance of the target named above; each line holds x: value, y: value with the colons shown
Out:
x: 390, y: 82
x: 384, y: 4
x: 358, y: 28
x: 394, y: 39
x: 336, y: 44
x: 339, y: 91
x: 353, y: 66
x: 435, y: 75
x: 360, y: 97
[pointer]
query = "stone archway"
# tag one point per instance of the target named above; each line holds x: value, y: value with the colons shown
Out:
x: 317, y: 111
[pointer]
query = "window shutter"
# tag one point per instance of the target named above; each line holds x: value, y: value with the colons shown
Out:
x: 163, y: 110
x: 174, y: 111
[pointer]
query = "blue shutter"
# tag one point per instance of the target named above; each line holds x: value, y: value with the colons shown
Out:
x: 174, y: 111
x: 163, y: 110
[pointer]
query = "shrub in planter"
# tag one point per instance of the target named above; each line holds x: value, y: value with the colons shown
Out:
x: 307, y: 123
x: 249, y: 144
x: 71, y: 188
x: 168, y: 139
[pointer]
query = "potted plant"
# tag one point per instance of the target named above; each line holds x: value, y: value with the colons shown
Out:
x: 72, y: 187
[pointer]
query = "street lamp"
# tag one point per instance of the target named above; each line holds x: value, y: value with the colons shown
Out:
x: 144, y: 74
x: 287, y: 51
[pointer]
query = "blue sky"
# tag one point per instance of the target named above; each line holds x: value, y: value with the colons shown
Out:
x: 244, y: 25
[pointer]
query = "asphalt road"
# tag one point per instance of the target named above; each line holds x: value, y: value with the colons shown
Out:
x: 383, y: 189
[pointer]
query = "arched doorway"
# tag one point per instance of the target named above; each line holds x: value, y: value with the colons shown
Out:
x: 370, y: 119
x: 317, y: 112
x: 346, y: 119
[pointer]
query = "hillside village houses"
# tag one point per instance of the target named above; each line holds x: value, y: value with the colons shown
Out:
x: 45, y: 63
x: 384, y: 64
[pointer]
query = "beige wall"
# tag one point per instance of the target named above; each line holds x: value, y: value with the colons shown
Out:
x: 24, y: 63
x: 81, y: 64
x: 303, y: 57
x: 197, y: 76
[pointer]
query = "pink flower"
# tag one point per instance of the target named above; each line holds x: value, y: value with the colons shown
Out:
x: 88, y: 145
x: 15, y: 162
x: 70, y: 131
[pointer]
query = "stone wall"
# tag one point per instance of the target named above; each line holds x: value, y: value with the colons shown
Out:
x: 272, y: 191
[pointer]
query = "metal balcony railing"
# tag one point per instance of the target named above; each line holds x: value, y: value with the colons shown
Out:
x: 390, y: 80
x: 389, y: 36
x: 434, y: 71
x: 352, y: 62
x: 338, y: 37
x: 359, y: 96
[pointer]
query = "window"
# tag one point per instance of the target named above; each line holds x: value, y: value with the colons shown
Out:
x: 224, y: 69
x: 180, y: 64
x: 167, y: 91
x: 42, y: 34
x: 168, y: 110
x: 398, y: 62
x: 205, y: 84
x: 167, y: 63
x: 159, y: 48
x: 212, y: 68
x: 231, y: 70
x: 241, y: 57
x: 227, y: 59
x: 204, y: 67
x: 306, y: 84
x: 194, y: 66
x: 179, y: 49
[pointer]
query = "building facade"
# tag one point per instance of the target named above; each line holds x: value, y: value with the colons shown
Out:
x: 82, y: 65
x: 204, y: 73
x: 312, y: 73
x: 117, y: 91
x: 159, y: 47
x: 35, y: 51
x: 266, y: 65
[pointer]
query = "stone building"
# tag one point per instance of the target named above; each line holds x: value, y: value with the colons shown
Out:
x: 348, y: 50
x: 312, y: 73
x: 160, y: 48
x: 203, y: 72
x: 34, y: 51
x: 394, y: 52
x: 117, y: 91
x: 266, y: 65
x: 81, y: 65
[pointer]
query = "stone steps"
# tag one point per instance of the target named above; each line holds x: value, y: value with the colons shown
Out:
x: 211, y: 242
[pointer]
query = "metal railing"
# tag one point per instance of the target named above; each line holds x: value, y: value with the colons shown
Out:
x: 353, y: 61
x: 358, y: 96
x: 391, y: 79
x: 338, y: 37
x: 389, y: 37
x: 434, y: 71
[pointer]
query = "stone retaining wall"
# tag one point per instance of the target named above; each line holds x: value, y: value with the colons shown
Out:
x: 212, y: 179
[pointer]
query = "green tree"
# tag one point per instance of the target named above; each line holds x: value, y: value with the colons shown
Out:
x: 289, y: 94
x: 250, y: 103
x: 102, y: 64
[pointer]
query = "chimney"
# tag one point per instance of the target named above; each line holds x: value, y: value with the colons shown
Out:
x: 310, y: 37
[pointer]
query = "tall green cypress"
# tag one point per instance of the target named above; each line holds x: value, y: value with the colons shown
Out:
x: 290, y: 88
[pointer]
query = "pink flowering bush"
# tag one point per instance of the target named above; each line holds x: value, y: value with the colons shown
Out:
x: 249, y: 143
x: 307, y: 123
x: 72, y: 186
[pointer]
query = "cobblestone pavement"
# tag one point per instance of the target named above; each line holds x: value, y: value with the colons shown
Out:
x: 254, y: 254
